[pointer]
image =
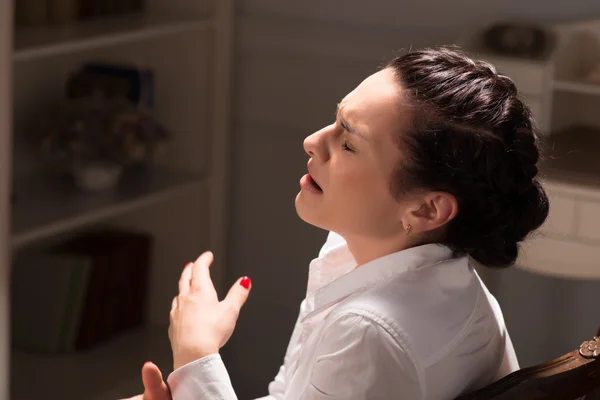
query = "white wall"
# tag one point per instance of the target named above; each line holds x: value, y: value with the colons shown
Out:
x: 421, y: 14
x: 294, y: 61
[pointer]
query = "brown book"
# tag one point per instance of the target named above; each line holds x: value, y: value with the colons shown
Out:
x: 99, y: 8
x: 132, y: 6
x: 90, y: 9
x: 116, y: 295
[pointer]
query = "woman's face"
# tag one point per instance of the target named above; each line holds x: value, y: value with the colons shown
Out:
x: 352, y: 162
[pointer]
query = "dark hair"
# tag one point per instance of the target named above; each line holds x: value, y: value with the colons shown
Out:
x: 472, y: 136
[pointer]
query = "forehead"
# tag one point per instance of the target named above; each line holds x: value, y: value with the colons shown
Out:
x: 375, y: 106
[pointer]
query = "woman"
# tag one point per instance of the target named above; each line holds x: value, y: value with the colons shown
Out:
x: 428, y: 169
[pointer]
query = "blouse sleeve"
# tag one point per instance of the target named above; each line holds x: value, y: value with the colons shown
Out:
x: 203, y: 379
x: 357, y: 359
x: 208, y: 378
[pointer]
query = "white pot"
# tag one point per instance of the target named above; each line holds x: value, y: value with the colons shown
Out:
x: 97, y: 177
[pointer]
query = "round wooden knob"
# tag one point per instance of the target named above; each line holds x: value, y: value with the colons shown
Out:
x: 590, y: 349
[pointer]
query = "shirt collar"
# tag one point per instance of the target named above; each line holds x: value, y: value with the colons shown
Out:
x: 334, y: 276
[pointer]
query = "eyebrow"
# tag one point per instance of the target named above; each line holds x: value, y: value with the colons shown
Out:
x: 346, y: 125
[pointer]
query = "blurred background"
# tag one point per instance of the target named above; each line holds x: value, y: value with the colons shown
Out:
x: 137, y: 133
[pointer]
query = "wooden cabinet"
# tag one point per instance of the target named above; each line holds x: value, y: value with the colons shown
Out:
x: 184, y: 203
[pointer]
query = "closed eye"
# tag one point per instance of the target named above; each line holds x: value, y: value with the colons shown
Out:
x: 347, y: 148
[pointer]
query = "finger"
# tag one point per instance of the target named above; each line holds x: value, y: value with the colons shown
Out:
x: 201, y: 275
x: 154, y: 386
x: 238, y: 294
x: 185, y: 279
x: 138, y: 397
x: 174, y: 303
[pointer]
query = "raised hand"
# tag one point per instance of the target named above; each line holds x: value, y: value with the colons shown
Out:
x: 200, y: 323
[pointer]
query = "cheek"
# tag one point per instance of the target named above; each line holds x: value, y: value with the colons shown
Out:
x: 360, y: 202
x: 364, y: 183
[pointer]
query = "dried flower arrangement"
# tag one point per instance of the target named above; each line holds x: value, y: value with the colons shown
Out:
x: 97, y: 136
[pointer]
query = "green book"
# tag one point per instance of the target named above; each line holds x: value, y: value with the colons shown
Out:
x: 48, y: 292
x: 75, y: 301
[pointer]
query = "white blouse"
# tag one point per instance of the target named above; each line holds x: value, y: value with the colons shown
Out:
x: 416, y: 324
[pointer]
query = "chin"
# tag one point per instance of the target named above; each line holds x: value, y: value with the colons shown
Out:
x: 308, y: 212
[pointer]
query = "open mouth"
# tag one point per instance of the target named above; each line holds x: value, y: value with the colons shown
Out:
x: 313, y: 182
x: 308, y: 184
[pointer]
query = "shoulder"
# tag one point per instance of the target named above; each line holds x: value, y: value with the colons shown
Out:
x: 366, y: 319
x: 426, y: 311
x: 363, y: 322
x: 355, y: 342
x: 360, y: 326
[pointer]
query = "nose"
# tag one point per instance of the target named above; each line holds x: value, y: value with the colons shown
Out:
x: 316, y: 145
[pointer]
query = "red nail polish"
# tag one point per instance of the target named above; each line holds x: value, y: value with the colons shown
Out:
x: 245, y: 282
x: 188, y: 264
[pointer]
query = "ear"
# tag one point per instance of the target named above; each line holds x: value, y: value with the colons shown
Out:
x: 435, y: 210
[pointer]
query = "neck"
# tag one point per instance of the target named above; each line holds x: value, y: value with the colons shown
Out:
x: 366, y: 249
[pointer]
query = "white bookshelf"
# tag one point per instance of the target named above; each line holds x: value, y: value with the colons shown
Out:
x: 34, y: 43
x: 576, y: 86
x: 45, y: 208
x: 183, y: 203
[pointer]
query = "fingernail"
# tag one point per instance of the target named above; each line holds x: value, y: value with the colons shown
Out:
x: 245, y: 282
x: 188, y: 264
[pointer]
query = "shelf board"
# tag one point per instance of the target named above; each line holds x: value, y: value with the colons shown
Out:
x: 36, y: 42
x: 46, y: 207
x: 577, y: 86
x: 571, y: 157
x: 111, y: 370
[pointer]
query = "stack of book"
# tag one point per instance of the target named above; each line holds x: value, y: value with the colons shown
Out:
x: 80, y: 293
x: 98, y: 8
x: 52, y: 12
x: 113, y: 81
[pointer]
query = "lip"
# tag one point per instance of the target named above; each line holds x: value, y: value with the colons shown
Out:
x: 308, y: 167
x: 309, y: 184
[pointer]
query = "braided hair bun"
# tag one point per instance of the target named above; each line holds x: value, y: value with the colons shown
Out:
x: 474, y: 137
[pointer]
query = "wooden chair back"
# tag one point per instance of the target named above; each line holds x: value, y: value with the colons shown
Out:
x: 572, y: 376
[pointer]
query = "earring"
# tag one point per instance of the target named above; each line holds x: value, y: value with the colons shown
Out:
x: 408, y: 229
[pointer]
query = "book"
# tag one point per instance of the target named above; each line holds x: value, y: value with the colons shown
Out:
x: 101, y: 8
x: 115, y: 298
x: 47, y: 291
x: 110, y: 81
x: 81, y: 292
